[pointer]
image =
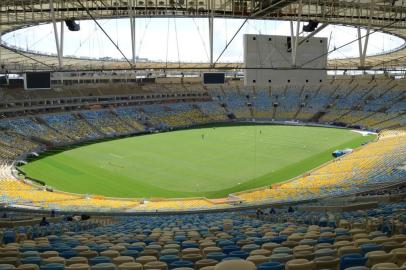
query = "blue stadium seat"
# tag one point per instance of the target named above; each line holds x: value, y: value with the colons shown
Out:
x: 239, y: 253
x: 32, y: 260
x: 270, y: 266
x: 99, y: 259
x: 365, y: 248
x: 179, y: 264
x: 52, y: 266
x: 218, y: 256
x: 353, y: 259
x: 169, y: 259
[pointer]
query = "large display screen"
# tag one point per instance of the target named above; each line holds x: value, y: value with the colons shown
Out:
x: 37, y: 80
x: 213, y: 78
x: 3, y: 80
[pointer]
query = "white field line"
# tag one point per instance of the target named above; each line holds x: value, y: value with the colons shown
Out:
x: 116, y: 156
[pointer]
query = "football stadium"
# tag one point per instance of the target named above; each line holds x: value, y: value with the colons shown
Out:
x: 202, y: 134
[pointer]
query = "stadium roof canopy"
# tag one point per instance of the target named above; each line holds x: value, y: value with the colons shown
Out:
x: 374, y: 15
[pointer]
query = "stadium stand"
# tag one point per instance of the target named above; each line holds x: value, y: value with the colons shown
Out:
x: 373, y: 164
x: 106, y: 122
x: 346, y: 214
x: 373, y: 104
x: 72, y: 125
x: 282, y: 239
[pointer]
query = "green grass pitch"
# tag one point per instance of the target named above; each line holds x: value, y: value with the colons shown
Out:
x: 211, y: 162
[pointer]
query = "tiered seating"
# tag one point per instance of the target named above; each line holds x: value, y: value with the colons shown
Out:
x: 197, y: 116
x: 153, y: 114
x: 71, y: 125
x: 14, y: 192
x: 374, y: 119
x: 28, y: 127
x: 173, y: 205
x: 13, y: 146
x: 213, y: 111
x: 237, y: 104
x: 17, y: 193
x: 176, y: 115
x: 288, y: 102
x: 333, y: 115
x: 223, y: 241
x: 262, y: 104
x: 372, y: 104
x: 131, y: 116
x: 107, y: 122
x: 372, y: 164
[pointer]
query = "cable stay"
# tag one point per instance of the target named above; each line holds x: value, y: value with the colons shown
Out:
x: 101, y: 28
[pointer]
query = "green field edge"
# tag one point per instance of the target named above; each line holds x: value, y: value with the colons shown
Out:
x: 282, y: 175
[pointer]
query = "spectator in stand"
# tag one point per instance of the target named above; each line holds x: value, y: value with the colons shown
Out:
x: 44, y: 222
x: 259, y: 213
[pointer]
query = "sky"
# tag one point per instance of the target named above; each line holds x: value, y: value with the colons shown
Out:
x: 181, y: 39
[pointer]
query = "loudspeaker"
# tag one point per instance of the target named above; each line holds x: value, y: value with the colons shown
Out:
x: 72, y: 25
x: 311, y: 26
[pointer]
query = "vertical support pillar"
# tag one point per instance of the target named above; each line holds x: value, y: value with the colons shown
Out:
x: 292, y: 33
x: 1, y: 48
x: 363, y: 49
x: 1, y: 34
x: 294, y: 47
x: 359, y: 45
x: 211, y: 40
x: 62, y: 41
x: 133, y: 31
x: 58, y: 48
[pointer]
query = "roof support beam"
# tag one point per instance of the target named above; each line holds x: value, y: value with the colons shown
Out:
x: 231, y: 40
x: 104, y: 31
x: 276, y: 5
